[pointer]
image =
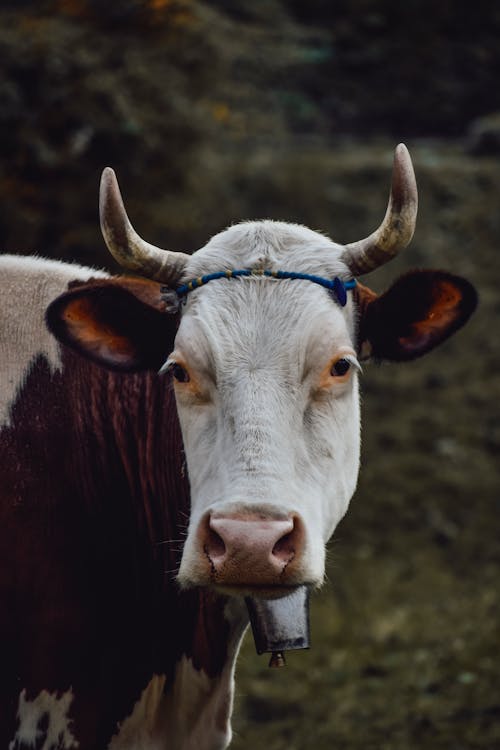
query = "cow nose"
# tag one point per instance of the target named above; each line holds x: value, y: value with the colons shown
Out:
x: 251, y: 550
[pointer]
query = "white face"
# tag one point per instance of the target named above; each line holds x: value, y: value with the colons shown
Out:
x: 270, y: 412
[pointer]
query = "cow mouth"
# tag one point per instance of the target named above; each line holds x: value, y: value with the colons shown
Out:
x: 260, y: 591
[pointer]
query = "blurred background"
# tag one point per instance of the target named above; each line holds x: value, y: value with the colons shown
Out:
x: 213, y: 112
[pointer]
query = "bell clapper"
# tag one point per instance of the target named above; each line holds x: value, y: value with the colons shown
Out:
x: 277, y: 659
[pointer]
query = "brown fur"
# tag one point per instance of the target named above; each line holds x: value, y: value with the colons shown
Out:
x: 94, y: 498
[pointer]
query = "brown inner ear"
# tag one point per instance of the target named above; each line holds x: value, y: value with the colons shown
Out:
x: 442, y: 314
x: 419, y: 311
x: 99, y: 338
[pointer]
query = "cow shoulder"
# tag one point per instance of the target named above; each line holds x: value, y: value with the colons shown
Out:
x: 29, y: 284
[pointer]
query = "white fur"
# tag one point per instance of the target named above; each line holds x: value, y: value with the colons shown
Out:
x: 195, y: 713
x: 58, y: 735
x: 261, y: 436
x: 28, y: 285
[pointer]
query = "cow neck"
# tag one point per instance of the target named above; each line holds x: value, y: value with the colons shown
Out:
x: 142, y: 472
x: 97, y: 506
x: 137, y: 429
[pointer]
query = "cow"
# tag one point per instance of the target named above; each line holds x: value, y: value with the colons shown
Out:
x: 177, y: 443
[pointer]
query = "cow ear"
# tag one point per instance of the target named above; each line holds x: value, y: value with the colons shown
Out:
x: 419, y: 311
x: 120, y: 323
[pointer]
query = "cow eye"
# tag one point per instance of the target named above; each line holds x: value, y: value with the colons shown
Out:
x: 341, y: 367
x: 179, y: 373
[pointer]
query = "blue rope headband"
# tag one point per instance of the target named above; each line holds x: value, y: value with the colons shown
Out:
x: 336, y: 286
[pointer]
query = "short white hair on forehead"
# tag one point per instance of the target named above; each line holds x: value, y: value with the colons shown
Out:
x: 269, y: 320
x: 272, y: 245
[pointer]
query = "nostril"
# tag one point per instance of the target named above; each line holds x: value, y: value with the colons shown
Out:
x: 214, y: 545
x: 284, y: 549
x: 250, y: 548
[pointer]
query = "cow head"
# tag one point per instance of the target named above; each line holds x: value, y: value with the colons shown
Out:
x: 265, y: 372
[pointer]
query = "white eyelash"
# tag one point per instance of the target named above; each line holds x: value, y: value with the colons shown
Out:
x: 166, y: 366
x: 353, y: 361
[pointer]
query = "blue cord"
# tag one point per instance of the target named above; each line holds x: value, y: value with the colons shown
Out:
x: 336, y: 285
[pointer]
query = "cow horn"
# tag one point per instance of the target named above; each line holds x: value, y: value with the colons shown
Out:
x: 398, y: 225
x: 125, y: 245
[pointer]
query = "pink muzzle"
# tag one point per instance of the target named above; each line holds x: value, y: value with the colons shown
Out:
x: 246, y: 549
